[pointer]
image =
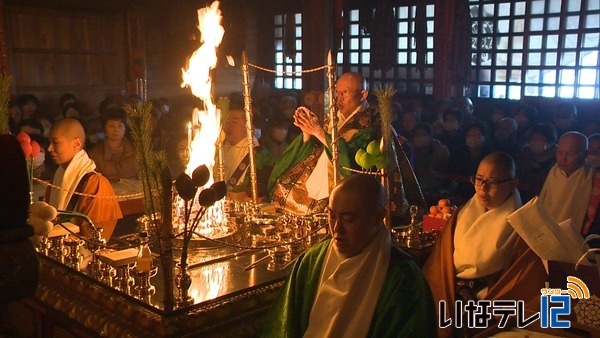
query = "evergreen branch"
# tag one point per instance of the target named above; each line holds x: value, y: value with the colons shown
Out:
x: 384, y: 97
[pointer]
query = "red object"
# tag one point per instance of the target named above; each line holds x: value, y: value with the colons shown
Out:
x: 23, y: 136
x: 26, y: 148
x: 35, y: 149
x: 433, y: 223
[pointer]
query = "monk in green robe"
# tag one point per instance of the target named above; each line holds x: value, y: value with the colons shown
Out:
x: 355, y: 284
x: 303, y: 177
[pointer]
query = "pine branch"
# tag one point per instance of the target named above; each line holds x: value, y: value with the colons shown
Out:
x: 384, y: 97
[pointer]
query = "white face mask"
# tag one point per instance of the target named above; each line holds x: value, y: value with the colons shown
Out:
x: 537, y: 147
x: 39, y: 160
x: 257, y: 133
x: 594, y: 161
x: 95, y: 138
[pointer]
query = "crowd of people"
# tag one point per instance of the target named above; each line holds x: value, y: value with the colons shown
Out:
x: 489, y: 163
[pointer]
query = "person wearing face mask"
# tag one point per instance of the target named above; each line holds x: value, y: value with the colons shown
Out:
x: 94, y: 132
x: 464, y: 161
x: 275, y: 139
x: 593, y: 156
x: 43, y: 168
x: 430, y: 160
x: 536, y: 159
x: 452, y: 135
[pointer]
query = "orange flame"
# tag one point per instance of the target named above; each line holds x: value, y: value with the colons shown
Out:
x: 206, y: 123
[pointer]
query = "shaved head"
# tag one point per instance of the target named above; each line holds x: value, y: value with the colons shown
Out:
x: 571, y: 152
x: 67, y: 138
x: 70, y: 128
x: 502, y: 161
x: 364, y: 187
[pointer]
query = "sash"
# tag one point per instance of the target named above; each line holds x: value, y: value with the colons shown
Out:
x: 237, y: 177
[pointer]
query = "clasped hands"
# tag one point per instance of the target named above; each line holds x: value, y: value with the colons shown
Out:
x: 308, y: 122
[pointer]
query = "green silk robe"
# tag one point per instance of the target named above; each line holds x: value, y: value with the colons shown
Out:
x: 404, y: 307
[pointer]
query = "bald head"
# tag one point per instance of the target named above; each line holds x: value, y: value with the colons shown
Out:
x: 69, y: 128
x: 571, y: 152
x: 356, y: 78
x: 502, y: 162
x: 364, y: 187
x: 356, y: 213
x: 67, y: 138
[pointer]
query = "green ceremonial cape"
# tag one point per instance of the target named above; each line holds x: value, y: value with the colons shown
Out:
x: 404, y: 307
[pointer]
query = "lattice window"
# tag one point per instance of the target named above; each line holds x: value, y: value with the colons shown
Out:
x: 288, y: 52
x: 355, y: 52
x: 543, y: 48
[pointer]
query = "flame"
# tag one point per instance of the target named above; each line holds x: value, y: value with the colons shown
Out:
x: 206, y: 124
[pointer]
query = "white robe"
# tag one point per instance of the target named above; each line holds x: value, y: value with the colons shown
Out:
x: 568, y: 197
x: 483, y: 239
x: 68, y: 179
x: 347, y: 287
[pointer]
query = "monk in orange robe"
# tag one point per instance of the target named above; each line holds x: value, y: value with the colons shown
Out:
x: 478, y: 254
x: 76, y: 173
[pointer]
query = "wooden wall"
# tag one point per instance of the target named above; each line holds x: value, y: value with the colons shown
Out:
x: 53, y: 51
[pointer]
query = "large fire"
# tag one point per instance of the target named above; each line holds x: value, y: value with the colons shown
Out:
x: 205, y: 126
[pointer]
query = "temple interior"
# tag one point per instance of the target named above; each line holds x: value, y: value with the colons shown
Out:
x: 219, y: 131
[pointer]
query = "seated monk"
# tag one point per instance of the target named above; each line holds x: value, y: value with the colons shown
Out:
x: 76, y: 173
x: 478, y: 254
x: 356, y: 284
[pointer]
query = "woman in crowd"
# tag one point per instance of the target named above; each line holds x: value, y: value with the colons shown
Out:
x: 536, y: 159
x: 115, y: 155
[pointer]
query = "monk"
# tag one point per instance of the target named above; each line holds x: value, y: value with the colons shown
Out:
x: 572, y: 187
x: 478, y: 254
x: 76, y: 173
x: 303, y: 177
x: 356, y: 284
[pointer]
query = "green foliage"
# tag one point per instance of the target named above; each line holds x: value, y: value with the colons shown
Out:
x: 150, y: 163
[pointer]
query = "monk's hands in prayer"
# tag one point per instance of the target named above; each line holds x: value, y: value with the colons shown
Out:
x: 308, y: 122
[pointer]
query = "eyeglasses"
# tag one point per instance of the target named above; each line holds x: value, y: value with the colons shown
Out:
x: 345, y: 93
x: 491, y: 184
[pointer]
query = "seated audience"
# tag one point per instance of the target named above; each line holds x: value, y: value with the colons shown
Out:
x: 572, y: 187
x: 536, y: 159
x: 115, y: 155
x: 430, y: 161
x: 590, y: 127
x: 452, y: 136
x: 356, y: 284
x: 478, y: 255
x: 72, y: 110
x: 593, y: 155
x: 31, y: 127
x: 275, y: 138
x: 564, y: 117
x: 15, y: 116
x: 65, y: 99
x: 526, y: 117
x: 505, y: 138
x: 28, y: 103
x: 465, y: 106
x: 76, y: 173
x: 178, y: 155
x: 410, y: 119
x: 464, y: 161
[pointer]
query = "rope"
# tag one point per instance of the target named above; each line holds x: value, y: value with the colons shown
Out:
x: 288, y: 73
x: 373, y: 173
x: 46, y: 183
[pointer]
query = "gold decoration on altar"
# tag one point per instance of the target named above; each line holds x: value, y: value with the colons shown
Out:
x: 5, y: 81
